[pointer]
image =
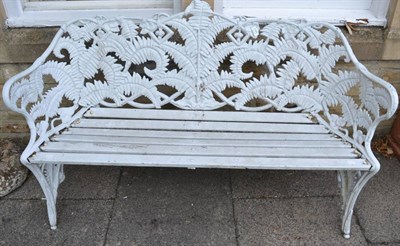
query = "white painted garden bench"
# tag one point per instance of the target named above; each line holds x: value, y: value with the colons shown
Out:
x: 241, y: 93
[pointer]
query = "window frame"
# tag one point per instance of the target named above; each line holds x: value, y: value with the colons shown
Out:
x: 376, y: 14
x: 18, y: 17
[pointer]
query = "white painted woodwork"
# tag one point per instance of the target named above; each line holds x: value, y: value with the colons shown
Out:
x: 87, y: 5
x: 50, y: 18
x: 333, y: 11
x: 300, y: 4
x: 13, y: 8
x: 380, y: 8
x: 200, y: 161
x: 55, y: 13
x: 46, y: 14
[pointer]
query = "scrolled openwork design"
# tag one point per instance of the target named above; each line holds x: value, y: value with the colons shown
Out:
x: 196, y: 60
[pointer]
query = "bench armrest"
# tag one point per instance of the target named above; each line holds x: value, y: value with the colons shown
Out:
x: 41, y: 103
x: 371, y: 101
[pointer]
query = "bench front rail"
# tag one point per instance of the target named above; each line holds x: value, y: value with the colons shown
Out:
x: 98, y: 94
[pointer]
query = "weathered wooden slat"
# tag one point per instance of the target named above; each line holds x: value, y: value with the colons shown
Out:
x: 231, y: 116
x: 203, y: 150
x: 200, y: 126
x: 195, y: 135
x: 200, y: 161
x: 201, y: 142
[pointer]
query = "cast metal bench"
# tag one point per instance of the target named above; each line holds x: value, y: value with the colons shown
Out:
x: 200, y: 90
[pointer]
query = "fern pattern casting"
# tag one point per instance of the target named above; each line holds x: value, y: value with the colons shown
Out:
x: 185, y: 53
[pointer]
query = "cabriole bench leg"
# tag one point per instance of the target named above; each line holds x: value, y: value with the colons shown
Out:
x: 49, y: 177
x: 352, y: 183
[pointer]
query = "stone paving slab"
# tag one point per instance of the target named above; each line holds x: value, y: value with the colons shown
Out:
x: 167, y: 206
x: 24, y: 222
x: 298, y: 221
x: 167, y: 183
x: 172, y: 207
x: 81, y: 182
x: 195, y: 221
x: 277, y: 184
x: 378, y: 206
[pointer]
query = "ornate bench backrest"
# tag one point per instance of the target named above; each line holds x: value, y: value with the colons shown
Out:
x: 188, y: 57
x: 198, y: 60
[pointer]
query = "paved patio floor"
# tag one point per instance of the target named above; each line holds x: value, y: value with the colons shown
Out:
x: 154, y: 206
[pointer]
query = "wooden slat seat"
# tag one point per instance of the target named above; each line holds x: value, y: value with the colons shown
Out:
x: 199, y: 139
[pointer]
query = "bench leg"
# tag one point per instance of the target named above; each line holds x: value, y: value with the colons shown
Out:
x: 352, y: 183
x: 49, y: 177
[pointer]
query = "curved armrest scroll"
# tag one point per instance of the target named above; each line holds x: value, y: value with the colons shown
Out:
x: 28, y: 94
